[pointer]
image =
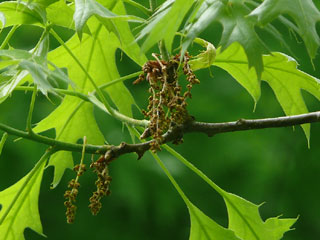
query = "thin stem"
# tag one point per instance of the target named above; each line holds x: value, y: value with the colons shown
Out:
x: 2, y: 141
x: 172, y: 180
x: 58, y: 145
x: 40, y: 163
x: 29, y: 118
x: 121, y: 79
x: 98, y: 90
x: 9, y: 35
x: 163, y: 51
x: 194, y: 169
x: 142, y: 8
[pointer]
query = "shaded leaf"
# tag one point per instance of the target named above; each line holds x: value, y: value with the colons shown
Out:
x: 304, y: 13
x: 37, y: 66
x: 24, y: 212
x: 236, y: 28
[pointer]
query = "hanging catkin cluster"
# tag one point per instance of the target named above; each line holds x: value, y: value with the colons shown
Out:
x: 100, y: 167
x: 167, y: 102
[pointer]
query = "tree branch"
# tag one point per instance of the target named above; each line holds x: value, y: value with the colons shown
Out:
x: 174, y: 133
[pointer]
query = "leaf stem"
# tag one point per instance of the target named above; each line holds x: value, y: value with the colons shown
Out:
x: 98, y: 90
x: 142, y: 8
x: 2, y: 141
x: 194, y: 169
x: 42, y: 160
x: 29, y: 118
x: 58, y: 145
x: 9, y: 35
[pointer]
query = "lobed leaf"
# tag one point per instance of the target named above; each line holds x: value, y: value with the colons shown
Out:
x: 246, y: 222
x: 21, y: 199
x: 280, y: 72
x: 304, y: 13
x: 72, y: 119
x: 244, y: 217
x: 84, y: 9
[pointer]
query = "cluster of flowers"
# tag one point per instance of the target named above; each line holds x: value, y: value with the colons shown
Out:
x: 100, y: 167
x: 167, y: 104
x: 71, y: 194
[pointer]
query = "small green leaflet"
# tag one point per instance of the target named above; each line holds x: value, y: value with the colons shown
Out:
x: 87, y: 8
x: 24, y: 211
x: 204, y: 59
x: 280, y: 72
x: 304, y: 13
x: 21, y: 13
x: 244, y: 218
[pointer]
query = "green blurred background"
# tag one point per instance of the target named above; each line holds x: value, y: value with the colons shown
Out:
x: 273, y: 166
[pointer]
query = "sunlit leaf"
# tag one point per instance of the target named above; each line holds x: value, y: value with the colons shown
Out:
x: 98, y: 56
x: 280, y: 72
x: 246, y: 222
x: 21, y: 13
x: 206, y: 58
x: 24, y: 211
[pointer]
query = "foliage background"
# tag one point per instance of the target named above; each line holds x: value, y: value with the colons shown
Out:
x: 273, y: 166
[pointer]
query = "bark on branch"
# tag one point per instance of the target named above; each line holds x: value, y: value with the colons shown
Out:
x: 174, y: 133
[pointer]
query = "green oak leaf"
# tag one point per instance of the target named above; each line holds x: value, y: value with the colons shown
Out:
x: 72, y: 119
x: 280, y: 72
x: 24, y: 211
x: 204, y: 228
x: 84, y: 9
x: 236, y: 28
x: 244, y: 218
x: 21, y: 13
x: 61, y: 14
x: 234, y: 61
x: 304, y: 13
x: 164, y: 23
x: 246, y: 222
